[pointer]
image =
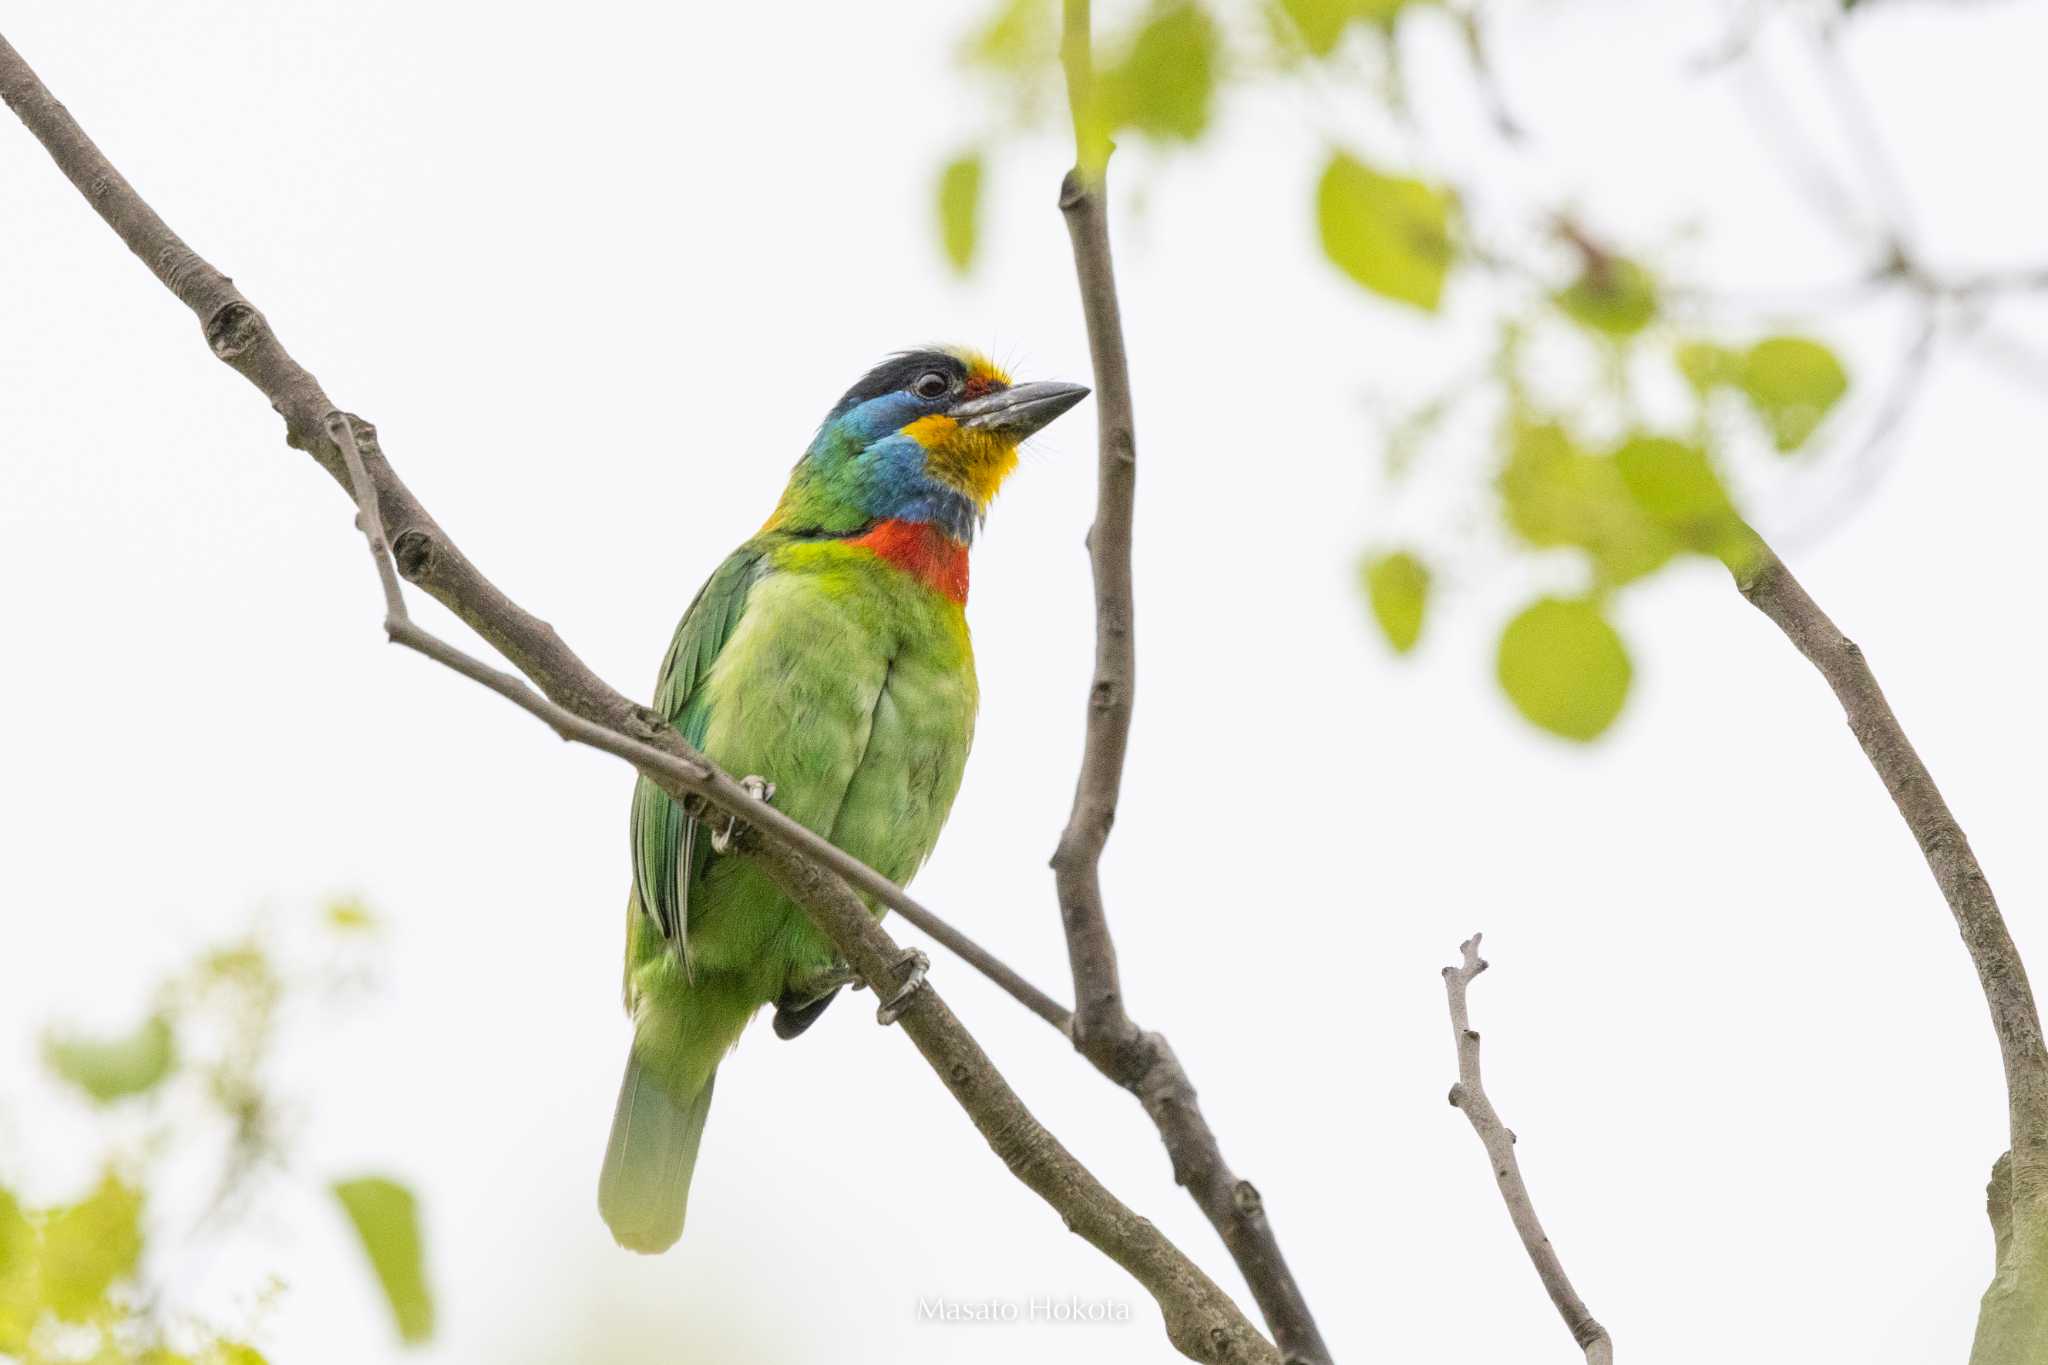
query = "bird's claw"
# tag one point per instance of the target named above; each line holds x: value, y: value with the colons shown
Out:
x: 761, y: 789
x: 913, y: 965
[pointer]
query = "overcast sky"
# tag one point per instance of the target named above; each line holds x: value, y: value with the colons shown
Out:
x: 595, y: 276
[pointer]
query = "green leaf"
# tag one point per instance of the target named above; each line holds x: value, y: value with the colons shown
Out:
x: 960, y: 209
x: 1676, y: 486
x: 90, y: 1245
x: 1792, y: 382
x: 1390, y: 234
x: 233, y: 1353
x: 386, y: 1218
x: 1322, y: 22
x: 1706, y: 366
x: 1615, y: 297
x: 1166, y: 80
x: 1558, y: 495
x: 1564, y: 668
x: 350, y: 917
x: 109, y: 1069
x: 1021, y: 36
x: 1397, y: 586
x: 20, y: 1295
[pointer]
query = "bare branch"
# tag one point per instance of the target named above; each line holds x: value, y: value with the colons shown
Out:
x: 1469, y: 1095
x: 1141, y: 1062
x: 1099, y: 1018
x: 2015, y: 1313
x: 1200, y: 1319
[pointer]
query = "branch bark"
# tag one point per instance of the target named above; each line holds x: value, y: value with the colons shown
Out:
x: 2012, y: 1327
x: 1469, y: 1095
x: 1140, y: 1061
x: 1200, y: 1319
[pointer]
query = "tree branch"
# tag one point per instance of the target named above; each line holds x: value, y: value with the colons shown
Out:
x: 2014, y: 1320
x: 1200, y: 1319
x: 1469, y: 1095
x: 1141, y: 1062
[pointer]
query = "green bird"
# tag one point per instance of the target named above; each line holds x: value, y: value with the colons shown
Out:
x: 829, y: 656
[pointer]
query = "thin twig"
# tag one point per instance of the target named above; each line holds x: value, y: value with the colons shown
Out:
x: 1200, y: 1319
x: 1140, y: 1061
x: 1469, y: 1095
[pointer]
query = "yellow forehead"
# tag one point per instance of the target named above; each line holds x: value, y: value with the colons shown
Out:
x: 980, y: 369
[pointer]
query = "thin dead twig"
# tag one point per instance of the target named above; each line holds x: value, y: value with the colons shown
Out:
x: 1469, y: 1096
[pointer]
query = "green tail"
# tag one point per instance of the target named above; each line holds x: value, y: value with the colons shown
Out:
x: 645, y: 1189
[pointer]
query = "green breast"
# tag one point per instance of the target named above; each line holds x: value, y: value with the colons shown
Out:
x: 851, y: 685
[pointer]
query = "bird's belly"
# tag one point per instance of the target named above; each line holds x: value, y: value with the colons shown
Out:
x: 904, y: 786
x: 865, y: 733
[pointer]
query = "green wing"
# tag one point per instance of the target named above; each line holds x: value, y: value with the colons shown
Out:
x: 668, y: 855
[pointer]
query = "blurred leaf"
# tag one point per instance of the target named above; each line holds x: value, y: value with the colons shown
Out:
x: 20, y: 1297
x: 1617, y: 297
x: 1020, y: 36
x: 1166, y: 80
x: 88, y: 1246
x: 1397, y: 586
x: 1675, y: 484
x: 1792, y: 382
x: 1322, y: 22
x: 1390, y: 234
x: 109, y: 1069
x: 1564, y: 668
x: 960, y: 209
x: 386, y: 1218
x: 1706, y: 366
x: 1558, y: 495
x: 350, y: 916
x: 234, y: 1353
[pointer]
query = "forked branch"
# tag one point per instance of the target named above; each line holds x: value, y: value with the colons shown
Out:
x: 1140, y: 1061
x: 404, y: 541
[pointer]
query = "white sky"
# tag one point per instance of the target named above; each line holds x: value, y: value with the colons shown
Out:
x: 595, y: 279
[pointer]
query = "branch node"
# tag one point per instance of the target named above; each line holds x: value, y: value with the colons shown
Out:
x: 234, y: 327
x: 415, y: 553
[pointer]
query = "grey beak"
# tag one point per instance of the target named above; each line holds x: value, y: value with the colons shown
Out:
x: 1019, y: 410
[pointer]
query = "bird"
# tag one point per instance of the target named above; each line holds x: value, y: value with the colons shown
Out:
x: 828, y: 660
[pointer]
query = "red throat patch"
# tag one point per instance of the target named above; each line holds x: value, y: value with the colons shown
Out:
x: 923, y: 551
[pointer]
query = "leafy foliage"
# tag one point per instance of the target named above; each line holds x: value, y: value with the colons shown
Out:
x: 1608, y: 474
x: 1555, y: 494
x: 1389, y: 234
x: 1322, y: 24
x: 1676, y: 487
x: 960, y: 209
x: 386, y: 1219
x: 73, y: 1286
x: 1793, y: 382
x: 110, y: 1069
x: 1611, y: 295
x: 1564, y: 668
x: 1397, y: 586
x: 1166, y: 79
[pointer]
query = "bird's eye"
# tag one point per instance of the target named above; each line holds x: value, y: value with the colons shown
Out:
x: 931, y: 384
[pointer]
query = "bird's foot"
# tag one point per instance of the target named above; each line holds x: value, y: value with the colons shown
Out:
x: 913, y: 966
x: 824, y: 983
x: 761, y: 789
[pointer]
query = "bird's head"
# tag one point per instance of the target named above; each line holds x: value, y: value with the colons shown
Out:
x: 926, y: 436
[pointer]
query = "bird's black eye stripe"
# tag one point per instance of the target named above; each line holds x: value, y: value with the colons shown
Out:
x: 931, y: 384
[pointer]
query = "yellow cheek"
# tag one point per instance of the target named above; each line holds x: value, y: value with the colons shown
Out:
x: 974, y: 462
